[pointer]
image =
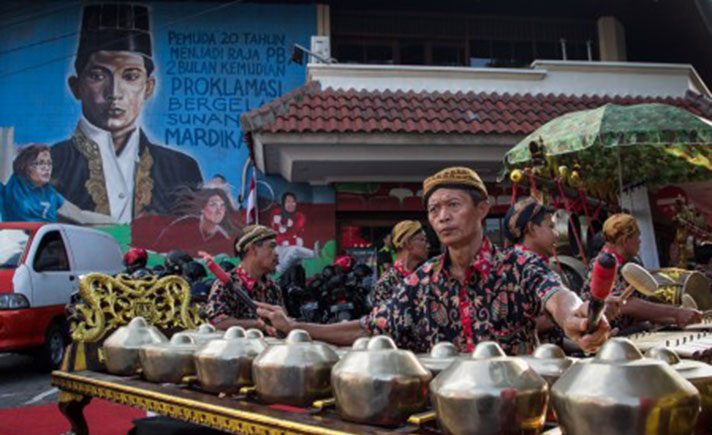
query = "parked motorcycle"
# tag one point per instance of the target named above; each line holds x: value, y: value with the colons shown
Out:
x: 334, y: 295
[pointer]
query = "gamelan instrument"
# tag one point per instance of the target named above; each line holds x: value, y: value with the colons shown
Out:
x: 671, y: 285
x: 224, y: 365
x: 694, y: 342
x: 242, y: 382
x: 619, y: 391
x: 697, y: 373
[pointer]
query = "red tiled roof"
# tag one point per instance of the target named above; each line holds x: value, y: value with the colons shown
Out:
x: 309, y: 109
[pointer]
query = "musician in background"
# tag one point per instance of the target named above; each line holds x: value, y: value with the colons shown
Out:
x: 255, y: 245
x: 471, y: 293
x: 385, y: 256
x: 622, y: 237
x: 411, y: 245
x: 529, y: 227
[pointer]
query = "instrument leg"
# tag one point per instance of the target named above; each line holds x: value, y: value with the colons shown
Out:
x: 72, y: 407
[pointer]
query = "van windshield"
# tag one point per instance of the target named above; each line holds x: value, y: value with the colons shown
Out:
x: 12, y: 246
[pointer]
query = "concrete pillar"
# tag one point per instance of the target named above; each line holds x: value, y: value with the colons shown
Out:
x: 611, y: 40
x: 323, y: 22
x: 7, y: 153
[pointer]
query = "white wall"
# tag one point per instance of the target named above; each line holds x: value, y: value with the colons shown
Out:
x: 558, y: 77
x: 636, y: 200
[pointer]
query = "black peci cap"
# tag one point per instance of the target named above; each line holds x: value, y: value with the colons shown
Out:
x: 114, y: 27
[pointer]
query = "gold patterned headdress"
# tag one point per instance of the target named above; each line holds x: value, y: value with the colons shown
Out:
x: 456, y: 177
x: 619, y: 226
x: 520, y: 214
x: 252, y: 234
x: 403, y: 231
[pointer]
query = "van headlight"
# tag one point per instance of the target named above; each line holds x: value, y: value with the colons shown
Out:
x: 13, y: 301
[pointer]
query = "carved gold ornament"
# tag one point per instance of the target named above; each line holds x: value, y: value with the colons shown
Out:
x: 144, y: 183
x: 110, y: 302
x: 95, y: 184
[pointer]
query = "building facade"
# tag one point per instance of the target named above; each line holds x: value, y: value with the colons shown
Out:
x: 340, y: 148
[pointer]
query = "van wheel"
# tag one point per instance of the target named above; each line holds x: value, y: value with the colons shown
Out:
x: 49, y: 356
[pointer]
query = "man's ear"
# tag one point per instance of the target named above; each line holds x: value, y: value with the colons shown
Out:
x: 484, y: 208
x: 73, y: 83
x: 530, y: 228
x: 150, y: 87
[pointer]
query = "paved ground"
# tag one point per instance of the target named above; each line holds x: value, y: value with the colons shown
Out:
x: 21, y: 384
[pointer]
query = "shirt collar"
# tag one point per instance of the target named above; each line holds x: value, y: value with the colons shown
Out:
x: 247, y: 281
x: 609, y: 250
x: 26, y: 184
x: 481, y: 263
x: 528, y: 249
x: 400, y: 268
x: 103, y: 138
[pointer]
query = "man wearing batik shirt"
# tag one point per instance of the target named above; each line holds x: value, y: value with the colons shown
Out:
x: 529, y: 227
x: 411, y: 245
x: 255, y: 245
x: 472, y: 293
x: 622, y: 237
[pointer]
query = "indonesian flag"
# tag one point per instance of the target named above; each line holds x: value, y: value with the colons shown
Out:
x: 252, y: 215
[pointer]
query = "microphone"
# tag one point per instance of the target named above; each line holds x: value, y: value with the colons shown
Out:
x: 224, y: 278
x: 604, y: 273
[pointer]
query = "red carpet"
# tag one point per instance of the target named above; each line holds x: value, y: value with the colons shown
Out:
x: 104, y: 418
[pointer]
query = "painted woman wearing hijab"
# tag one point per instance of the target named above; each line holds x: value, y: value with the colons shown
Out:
x: 289, y: 224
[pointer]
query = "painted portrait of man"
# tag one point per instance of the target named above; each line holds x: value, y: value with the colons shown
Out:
x: 109, y: 165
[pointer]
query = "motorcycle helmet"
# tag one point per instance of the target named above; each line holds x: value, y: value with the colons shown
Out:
x: 175, y: 260
x: 141, y: 273
x: 194, y: 271
x: 362, y: 271
x: 135, y: 258
x: 345, y: 262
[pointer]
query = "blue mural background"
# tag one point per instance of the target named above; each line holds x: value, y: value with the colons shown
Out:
x: 214, y: 61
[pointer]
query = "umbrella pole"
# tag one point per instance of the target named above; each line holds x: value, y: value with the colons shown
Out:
x: 620, y: 174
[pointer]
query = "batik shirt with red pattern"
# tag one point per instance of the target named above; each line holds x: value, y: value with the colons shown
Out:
x: 503, y: 293
x: 223, y: 304
x: 386, y: 286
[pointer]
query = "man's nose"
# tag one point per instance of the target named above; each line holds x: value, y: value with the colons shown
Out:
x: 114, y: 89
x: 443, y: 215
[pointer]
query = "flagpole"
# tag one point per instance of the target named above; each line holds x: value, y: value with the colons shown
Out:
x: 254, y: 186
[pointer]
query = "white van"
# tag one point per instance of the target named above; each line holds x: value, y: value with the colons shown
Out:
x: 40, y: 265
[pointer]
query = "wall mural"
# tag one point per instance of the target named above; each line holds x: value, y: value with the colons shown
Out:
x: 304, y: 219
x: 126, y: 116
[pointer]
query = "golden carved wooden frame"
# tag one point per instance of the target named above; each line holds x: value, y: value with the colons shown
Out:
x: 76, y: 387
x: 109, y: 302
